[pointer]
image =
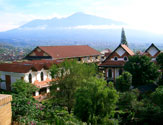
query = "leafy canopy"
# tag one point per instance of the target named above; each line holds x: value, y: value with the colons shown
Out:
x: 95, y: 101
x: 69, y: 76
x: 24, y: 88
x: 160, y: 60
x: 142, y: 69
x: 24, y: 106
x: 124, y: 82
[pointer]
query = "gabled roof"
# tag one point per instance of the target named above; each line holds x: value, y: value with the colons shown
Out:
x: 129, y: 51
x: 60, y: 52
x: 26, y: 66
x: 117, y: 63
x: 150, y: 47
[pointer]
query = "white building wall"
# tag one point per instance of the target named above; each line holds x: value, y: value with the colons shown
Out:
x: 34, y: 76
x: 45, y: 72
x: 17, y: 76
x: 39, y: 76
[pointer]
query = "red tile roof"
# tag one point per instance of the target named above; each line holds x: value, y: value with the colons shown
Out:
x: 42, y: 83
x: 60, y: 52
x: 18, y: 68
x: 113, y: 63
x: 26, y: 66
x: 129, y: 51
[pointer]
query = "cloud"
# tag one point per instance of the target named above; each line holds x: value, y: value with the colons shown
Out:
x: 138, y: 14
x: 95, y: 27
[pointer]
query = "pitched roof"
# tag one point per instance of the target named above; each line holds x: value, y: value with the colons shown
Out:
x: 59, y: 52
x: 150, y: 47
x: 117, y: 63
x: 26, y: 66
x: 129, y: 51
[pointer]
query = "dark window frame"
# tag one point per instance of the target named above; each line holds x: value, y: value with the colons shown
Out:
x: 30, y: 78
x: 42, y: 76
x: 120, y: 71
x: 125, y: 58
x: 115, y: 58
x: 110, y: 73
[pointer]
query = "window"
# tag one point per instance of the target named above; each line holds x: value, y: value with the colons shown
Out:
x: 120, y: 71
x: 115, y: 58
x: 125, y: 58
x: 110, y: 73
x: 43, y: 91
x: 22, y: 78
x: 42, y: 76
x: 30, y: 78
x: 79, y: 59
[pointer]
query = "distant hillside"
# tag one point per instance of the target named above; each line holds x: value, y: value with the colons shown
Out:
x: 79, y: 28
x: 11, y: 53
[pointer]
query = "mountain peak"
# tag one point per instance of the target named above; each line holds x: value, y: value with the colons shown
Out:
x: 79, y: 14
x: 76, y: 19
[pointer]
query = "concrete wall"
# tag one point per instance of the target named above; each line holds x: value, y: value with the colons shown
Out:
x: 5, y: 109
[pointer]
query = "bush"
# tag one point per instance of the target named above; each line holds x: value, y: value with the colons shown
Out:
x: 157, y: 96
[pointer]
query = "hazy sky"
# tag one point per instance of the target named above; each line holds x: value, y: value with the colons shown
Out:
x: 138, y: 14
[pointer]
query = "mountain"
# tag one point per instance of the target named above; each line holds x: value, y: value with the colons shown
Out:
x: 79, y: 28
x: 77, y: 19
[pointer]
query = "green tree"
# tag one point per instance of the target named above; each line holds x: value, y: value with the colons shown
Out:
x: 126, y: 104
x: 123, y: 38
x: 23, y: 88
x: 142, y: 69
x: 159, y: 60
x: 95, y: 101
x: 157, y: 96
x: 124, y: 82
x: 69, y: 76
x: 24, y: 107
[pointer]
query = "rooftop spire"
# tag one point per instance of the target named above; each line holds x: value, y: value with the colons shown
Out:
x: 123, y: 38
